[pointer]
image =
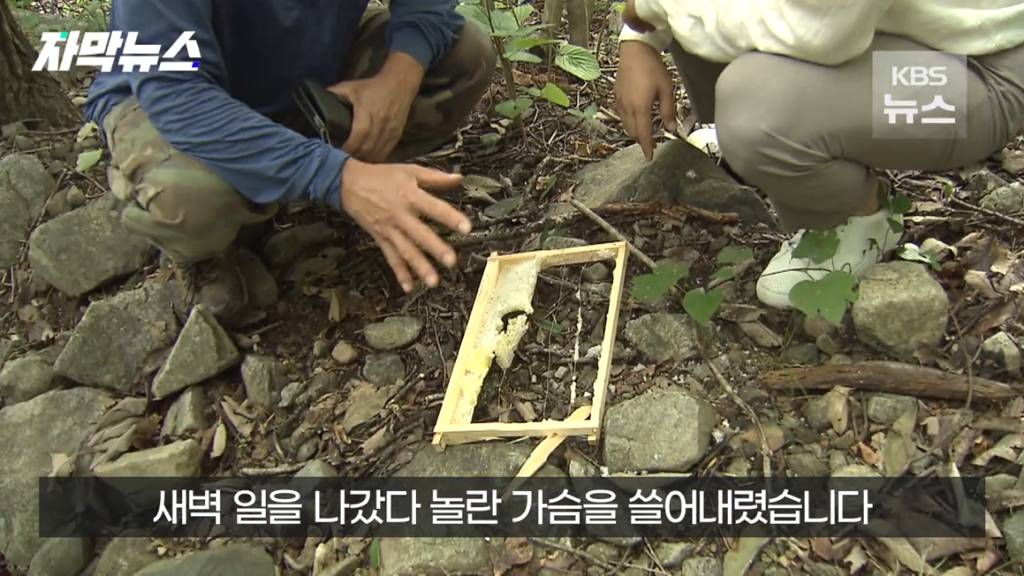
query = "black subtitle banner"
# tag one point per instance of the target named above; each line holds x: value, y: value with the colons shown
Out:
x: 656, y: 507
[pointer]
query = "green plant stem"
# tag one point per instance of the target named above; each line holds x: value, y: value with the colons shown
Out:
x: 506, y: 67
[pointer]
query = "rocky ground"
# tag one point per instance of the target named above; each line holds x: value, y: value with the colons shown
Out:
x: 340, y: 373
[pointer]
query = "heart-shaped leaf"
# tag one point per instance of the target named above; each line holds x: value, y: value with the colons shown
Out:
x: 817, y: 246
x: 650, y: 288
x: 701, y: 305
x: 512, y: 109
x: 734, y: 254
x: 578, y: 61
x: 828, y: 296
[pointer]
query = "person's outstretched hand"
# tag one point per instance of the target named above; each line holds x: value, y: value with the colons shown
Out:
x: 641, y: 81
x: 390, y: 201
x: 380, y: 107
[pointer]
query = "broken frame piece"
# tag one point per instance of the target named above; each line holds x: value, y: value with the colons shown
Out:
x: 507, y: 287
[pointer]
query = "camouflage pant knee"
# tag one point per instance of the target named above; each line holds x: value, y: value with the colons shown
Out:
x: 191, y: 213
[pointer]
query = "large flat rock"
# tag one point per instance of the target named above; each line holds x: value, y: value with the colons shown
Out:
x: 33, y: 433
x: 678, y: 173
x: 118, y: 341
x: 24, y: 187
x: 86, y: 248
x: 202, y: 351
x: 901, y: 308
x: 233, y: 560
x: 659, y: 431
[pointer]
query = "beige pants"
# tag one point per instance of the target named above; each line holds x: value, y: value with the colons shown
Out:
x: 802, y: 132
x: 191, y: 213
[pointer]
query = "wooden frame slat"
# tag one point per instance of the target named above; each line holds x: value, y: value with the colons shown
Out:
x: 466, y: 378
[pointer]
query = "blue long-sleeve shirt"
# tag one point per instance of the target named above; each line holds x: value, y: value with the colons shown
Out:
x: 253, y: 54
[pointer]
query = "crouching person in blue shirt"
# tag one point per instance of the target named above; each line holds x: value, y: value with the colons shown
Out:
x: 196, y: 155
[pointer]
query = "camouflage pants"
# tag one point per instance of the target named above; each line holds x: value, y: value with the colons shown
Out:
x: 191, y: 213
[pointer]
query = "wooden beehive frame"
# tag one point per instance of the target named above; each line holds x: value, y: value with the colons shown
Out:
x: 453, y: 425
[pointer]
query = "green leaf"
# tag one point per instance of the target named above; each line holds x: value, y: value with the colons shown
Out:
x: 552, y: 93
x: 523, y: 56
x: 87, y: 160
x: 619, y: 7
x: 474, y: 13
x: 817, y: 245
x: 375, y: 554
x: 553, y: 327
x: 527, y: 43
x: 512, y: 109
x: 735, y: 254
x: 899, y: 204
x: 522, y: 12
x: 828, y: 296
x: 651, y: 287
x: 727, y: 273
x: 578, y: 61
x: 701, y: 306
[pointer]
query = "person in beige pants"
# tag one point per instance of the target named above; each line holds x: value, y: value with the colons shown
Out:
x: 789, y: 87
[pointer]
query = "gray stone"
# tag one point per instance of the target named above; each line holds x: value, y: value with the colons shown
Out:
x: 61, y: 557
x: 58, y: 204
x: 86, y: 248
x: 661, y: 430
x: 365, y: 401
x: 562, y: 243
x: 285, y: 247
x: 384, y: 369
x: 815, y: 410
x: 202, y: 351
x: 672, y: 554
x: 233, y: 560
x: 291, y: 393
x: 605, y: 551
x: 345, y: 353
x: 1001, y: 348
x: 125, y: 557
x: 74, y: 196
x: 1007, y: 199
x: 394, y: 332
x: 886, y: 408
x: 414, y: 556
x: 855, y: 471
x: 24, y: 187
x: 176, y: 460
x: 187, y: 415
x: 679, y: 172
x: 12, y: 129
x: 26, y: 377
x: 802, y: 353
x: 115, y: 343
x: 1013, y: 534
x: 701, y: 566
x: 901, y: 308
x: 596, y: 272
x: 815, y: 326
x: 262, y: 288
x: 316, y: 469
x: 54, y: 423
x: 491, y: 459
x: 827, y: 344
x: 1013, y: 161
x: 662, y: 336
x: 804, y: 464
x: 264, y: 377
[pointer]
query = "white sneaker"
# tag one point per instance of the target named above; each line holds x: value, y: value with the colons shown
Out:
x: 705, y: 139
x: 863, y: 241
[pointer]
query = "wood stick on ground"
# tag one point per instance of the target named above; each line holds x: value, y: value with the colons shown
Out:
x: 274, y: 471
x: 987, y: 212
x: 549, y: 543
x: 611, y: 230
x: 894, y: 377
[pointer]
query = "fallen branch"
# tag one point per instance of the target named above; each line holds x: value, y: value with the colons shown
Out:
x: 987, y: 212
x: 614, y: 232
x: 766, y: 452
x: 893, y: 377
x: 274, y: 471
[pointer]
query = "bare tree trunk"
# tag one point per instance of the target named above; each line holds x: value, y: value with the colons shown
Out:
x: 553, y: 18
x: 578, y: 13
x: 25, y: 94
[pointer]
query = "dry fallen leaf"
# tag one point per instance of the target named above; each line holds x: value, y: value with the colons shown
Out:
x: 856, y: 559
x: 220, y: 441
x: 838, y: 406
